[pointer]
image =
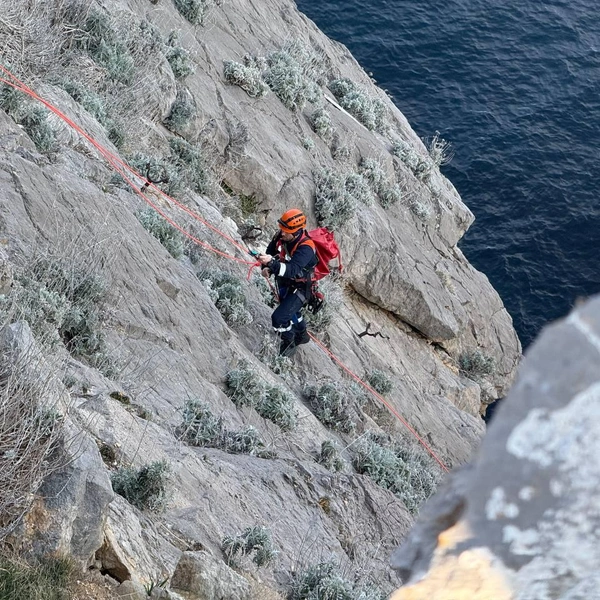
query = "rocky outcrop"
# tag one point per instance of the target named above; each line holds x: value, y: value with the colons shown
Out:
x: 201, y: 576
x: 523, y: 521
x: 68, y: 512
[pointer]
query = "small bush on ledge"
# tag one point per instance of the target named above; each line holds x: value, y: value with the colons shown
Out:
x: 145, y: 488
x: 227, y: 292
x: 324, y: 581
x: 195, y: 11
x: 246, y: 387
x: 329, y: 456
x: 171, y: 238
x: 332, y: 405
x: 404, y: 470
x: 476, y: 365
x: 253, y: 540
x: 369, y: 110
x: 178, y: 57
x: 201, y: 428
x: 380, y: 382
x: 249, y: 78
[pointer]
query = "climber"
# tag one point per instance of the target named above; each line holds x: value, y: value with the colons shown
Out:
x: 291, y: 257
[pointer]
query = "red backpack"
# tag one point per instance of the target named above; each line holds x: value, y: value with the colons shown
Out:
x: 326, y: 249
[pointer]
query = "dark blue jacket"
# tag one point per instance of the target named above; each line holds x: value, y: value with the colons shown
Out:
x: 300, y: 259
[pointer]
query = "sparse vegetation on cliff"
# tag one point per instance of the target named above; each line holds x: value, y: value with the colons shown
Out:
x: 255, y: 541
x: 200, y: 427
x: 163, y: 231
x: 400, y: 468
x: 246, y: 388
x: 369, y: 110
x: 147, y: 488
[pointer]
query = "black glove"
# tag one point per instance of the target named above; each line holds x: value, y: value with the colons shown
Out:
x: 274, y: 266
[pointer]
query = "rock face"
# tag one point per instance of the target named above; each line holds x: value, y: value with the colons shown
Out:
x: 168, y: 343
x: 526, y: 515
x: 204, y: 578
x: 69, y: 511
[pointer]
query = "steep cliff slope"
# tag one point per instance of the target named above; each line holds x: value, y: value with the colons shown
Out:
x: 305, y: 127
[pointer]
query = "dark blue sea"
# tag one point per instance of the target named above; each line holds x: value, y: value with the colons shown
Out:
x: 514, y: 85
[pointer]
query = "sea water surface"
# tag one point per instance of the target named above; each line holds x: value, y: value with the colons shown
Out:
x: 515, y: 87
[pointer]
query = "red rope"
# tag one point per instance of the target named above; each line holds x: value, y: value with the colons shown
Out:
x: 118, y: 164
x: 381, y: 399
x: 120, y: 167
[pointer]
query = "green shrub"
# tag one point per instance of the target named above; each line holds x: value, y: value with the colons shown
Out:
x: 334, y: 205
x: 308, y: 143
x: 245, y: 387
x: 370, y: 111
x: 44, y: 579
x: 35, y: 122
x: 91, y: 101
x: 191, y: 165
x: 104, y: 44
x: 419, y: 165
x: 182, y: 112
x: 332, y: 405
x: 389, y: 194
x: 253, y: 540
x: 293, y: 73
x: 247, y: 441
x: 409, y: 474
x: 145, y: 488
x: 440, y: 151
x: 320, y: 121
x: 61, y: 301
x: 95, y: 105
x: 339, y: 149
x: 476, y: 365
x: 157, y: 168
x: 420, y: 209
x: 323, y: 581
x: 172, y: 239
x: 373, y: 172
x: 380, y: 382
x: 278, y: 406
x: 178, y: 57
x: 249, y: 78
x: 195, y: 11
x: 201, y: 428
x: 329, y: 456
x: 227, y: 292
x: 358, y: 189
x: 12, y: 100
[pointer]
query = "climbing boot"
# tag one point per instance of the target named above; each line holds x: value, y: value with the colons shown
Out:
x: 301, y: 338
x: 287, y: 348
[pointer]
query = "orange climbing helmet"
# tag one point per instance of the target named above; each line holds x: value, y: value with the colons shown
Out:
x: 292, y: 221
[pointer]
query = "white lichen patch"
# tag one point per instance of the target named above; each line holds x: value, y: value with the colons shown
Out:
x: 557, y: 487
x: 565, y: 540
x: 498, y: 507
x: 527, y: 493
x: 524, y: 542
x: 562, y: 438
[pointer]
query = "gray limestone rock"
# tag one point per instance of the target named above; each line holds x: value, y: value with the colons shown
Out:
x: 530, y: 498
x: 204, y: 577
